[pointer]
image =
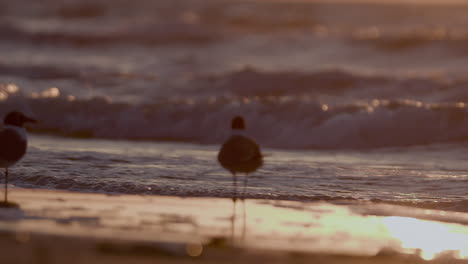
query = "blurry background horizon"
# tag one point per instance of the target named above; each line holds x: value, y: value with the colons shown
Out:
x: 335, y: 75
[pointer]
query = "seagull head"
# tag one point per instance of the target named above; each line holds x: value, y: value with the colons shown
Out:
x: 238, y: 123
x: 16, y: 118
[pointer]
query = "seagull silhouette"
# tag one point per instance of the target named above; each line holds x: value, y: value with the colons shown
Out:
x: 240, y: 154
x: 13, y: 144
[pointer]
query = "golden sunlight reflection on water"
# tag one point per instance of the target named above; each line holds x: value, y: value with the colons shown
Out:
x: 336, y: 229
x: 51, y: 92
x: 6, y: 90
x: 429, y: 238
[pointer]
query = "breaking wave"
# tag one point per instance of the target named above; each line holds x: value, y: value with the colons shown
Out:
x: 282, y: 121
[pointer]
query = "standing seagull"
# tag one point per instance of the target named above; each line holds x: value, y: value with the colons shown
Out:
x: 13, y: 144
x: 240, y: 153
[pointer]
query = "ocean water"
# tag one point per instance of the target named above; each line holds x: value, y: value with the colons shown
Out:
x: 349, y: 100
x: 433, y: 177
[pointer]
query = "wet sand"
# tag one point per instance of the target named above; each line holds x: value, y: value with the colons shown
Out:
x: 59, y: 227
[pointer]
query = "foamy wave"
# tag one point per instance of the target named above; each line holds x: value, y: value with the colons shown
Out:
x: 275, y: 121
x: 387, y: 207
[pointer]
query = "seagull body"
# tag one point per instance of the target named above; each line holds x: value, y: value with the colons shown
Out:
x: 240, y: 154
x: 13, y: 143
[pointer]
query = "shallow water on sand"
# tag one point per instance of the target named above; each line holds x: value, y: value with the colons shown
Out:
x: 350, y: 100
x: 430, y: 177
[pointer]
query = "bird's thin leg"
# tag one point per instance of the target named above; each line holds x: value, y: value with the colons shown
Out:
x: 6, y: 185
x: 244, y: 216
x: 234, y: 182
x: 233, y: 220
x: 245, y: 185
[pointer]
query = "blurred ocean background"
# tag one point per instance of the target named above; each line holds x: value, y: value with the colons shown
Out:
x: 349, y: 99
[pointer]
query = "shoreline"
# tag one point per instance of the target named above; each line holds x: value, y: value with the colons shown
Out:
x: 98, y: 228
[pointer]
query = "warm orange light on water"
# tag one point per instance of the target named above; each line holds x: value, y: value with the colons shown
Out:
x: 429, y: 238
x: 330, y: 228
x: 348, y: 229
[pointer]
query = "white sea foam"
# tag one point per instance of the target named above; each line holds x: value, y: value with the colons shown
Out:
x: 275, y: 121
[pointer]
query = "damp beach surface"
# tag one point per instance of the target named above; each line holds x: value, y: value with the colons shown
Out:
x: 54, y: 226
x: 146, y: 201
